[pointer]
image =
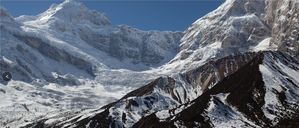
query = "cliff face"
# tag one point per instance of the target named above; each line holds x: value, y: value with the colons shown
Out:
x: 283, y: 19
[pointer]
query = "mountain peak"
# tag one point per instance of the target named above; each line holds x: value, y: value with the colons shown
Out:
x: 71, y: 11
x: 3, y: 11
x: 70, y: 1
x: 73, y: 3
x: 6, y: 18
x: 4, y: 14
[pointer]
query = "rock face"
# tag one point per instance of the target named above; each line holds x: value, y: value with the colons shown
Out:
x: 266, y: 99
x: 240, y: 26
x: 283, y: 18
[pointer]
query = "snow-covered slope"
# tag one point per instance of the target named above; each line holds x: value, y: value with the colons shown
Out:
x: 70, y: 41
x: 80, y: 42
x: 164, y: 93
x: 265, y: 99
x: 72, y: 58
x: 283, y: 19
x: 119, y: 47
x: 239, y: 26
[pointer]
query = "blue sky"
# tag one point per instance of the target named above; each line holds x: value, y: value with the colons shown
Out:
x: 173, y: 15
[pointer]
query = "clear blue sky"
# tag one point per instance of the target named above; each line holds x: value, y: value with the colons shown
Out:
x: 174, y: 15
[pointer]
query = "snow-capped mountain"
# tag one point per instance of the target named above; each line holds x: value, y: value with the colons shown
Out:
x: 235, y: 67
x: 239, y: 26
x: 71, y: 58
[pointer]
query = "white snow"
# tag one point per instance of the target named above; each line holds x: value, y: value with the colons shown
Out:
x: 274, y: 73
x: 263, y: 45
x: 50, y: 99
x: 270, y: 97
x: 223, y: 115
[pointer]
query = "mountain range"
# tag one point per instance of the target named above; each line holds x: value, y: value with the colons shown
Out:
x: 237, y: 66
